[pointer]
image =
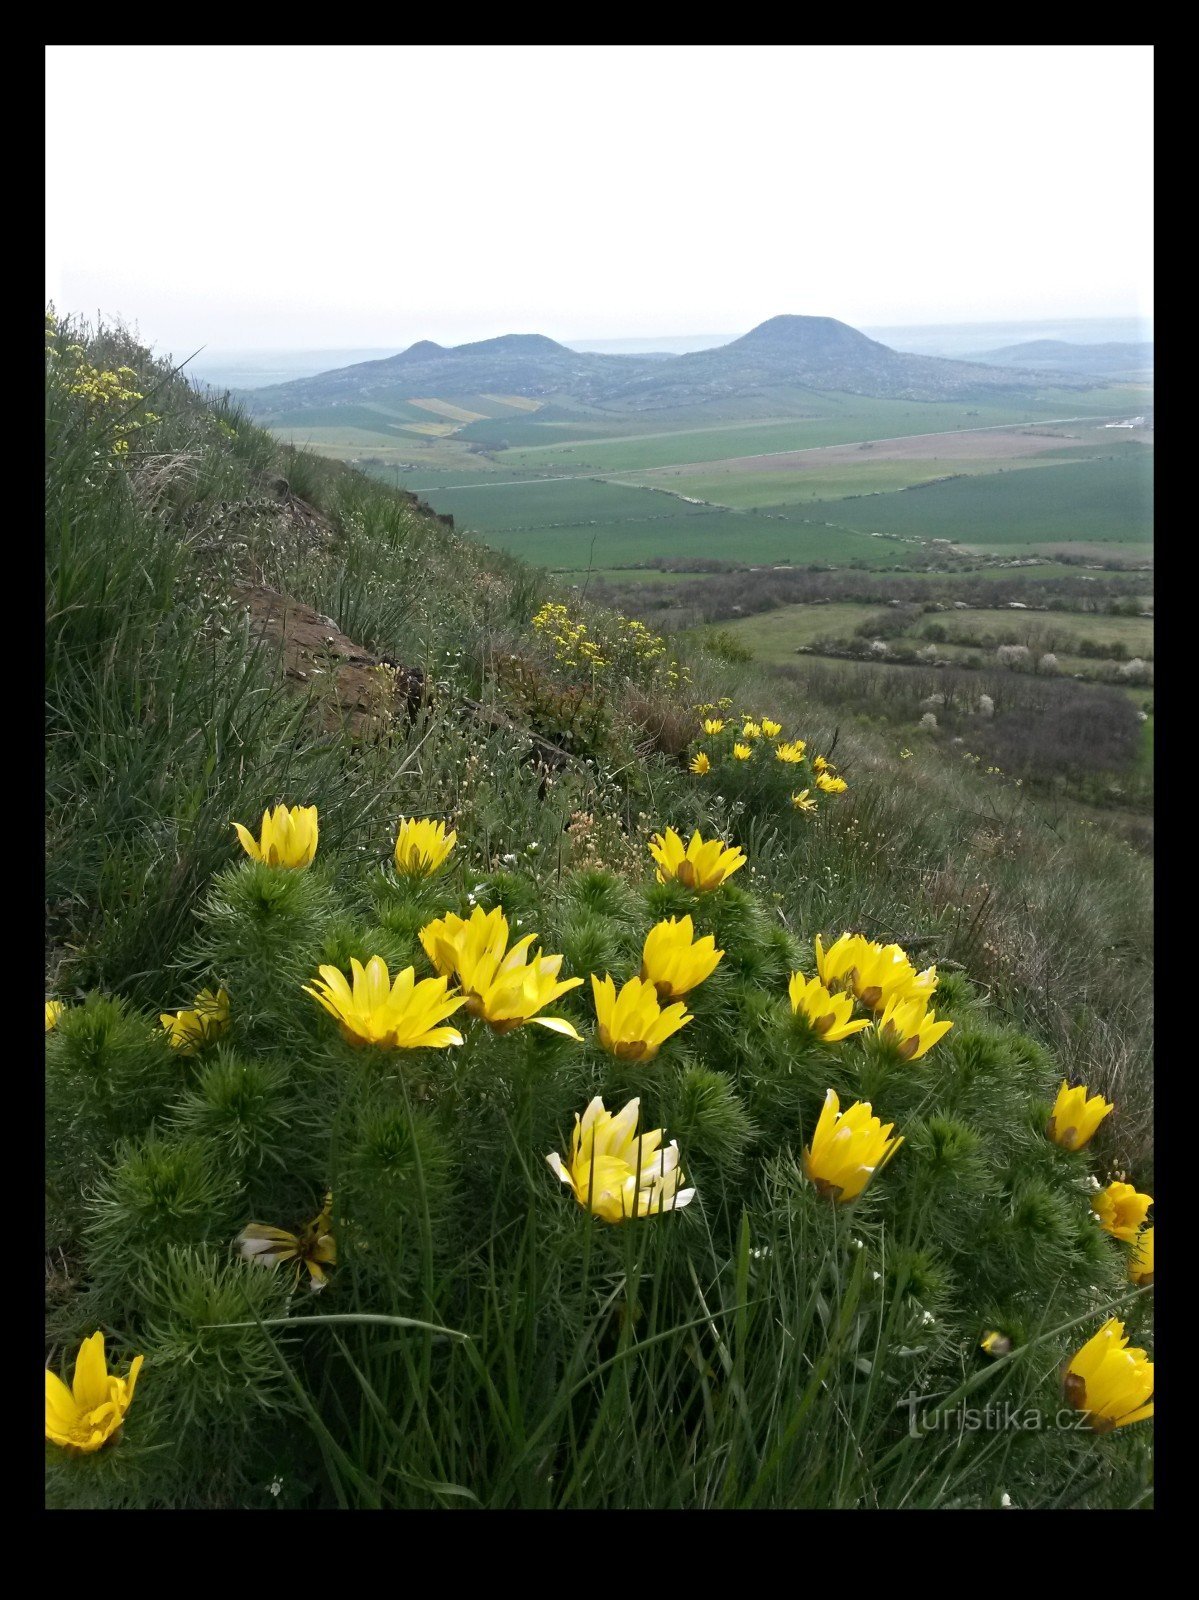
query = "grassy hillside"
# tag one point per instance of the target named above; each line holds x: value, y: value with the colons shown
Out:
x: 481, y: 1338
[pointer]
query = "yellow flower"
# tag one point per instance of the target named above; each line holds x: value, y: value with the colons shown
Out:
x: 773, y: 729
x: 313, y: 1248
x: 704, y: 864
x: 751, y: 729
x: 742, y: 751
x: 829, y: 784
x: 1140, y: 1267
x: 713, y: 725
x: 847, y: 1148
x: 791, y: 753
x: 905, y: 755
x: 673, y: 963
x: 840, y: 962
x: 700, y: 764
x: 803, y: 802
x: 86, y: 1416
x: 1121, y: 1210
x: 421, y: 847
x: 400, y: 1016
x: 54, y: 1010
x: 911, y: 1027
x: 633, y: 1025
x: 189, y: 1031
x: 504, y: 987
x: 995, y: 1344
x: 616, y: 1175
x: 288, y: 838
x: 1075, y: 1118
x: 819, y: 764
x: 877, y: 973
x: 828, y: 1014
x: 1112, y: 1384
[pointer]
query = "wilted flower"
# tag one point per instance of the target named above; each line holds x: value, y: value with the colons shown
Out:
x: 911, y: 1027
x: 504, y: 987
x: 803, y: 802
x: 704, y: 864
x: 1121, y: 1210
x: 847, y: 1148
x: 1075, y: 1118
x: 742, y: 752
x: 1112, y: 1384
x: 995, y: 1344
x: 830, y: 785
x: 828, y: 1014
x: 633, y: 1025
x: 713, y: 725
x: 422, y: 846
x: 189, y: 1031
x: 286, y: 839
x: 85, y: 1417
x: 773, y: 729
x: 617, y: 1175
x: 1140, y: 1267
x: 313, y: 1248
x: 700, y: 763
x: 673, y: 963
x: 54, y: 1010
x: 400, y: 1016
x: 791, y: 752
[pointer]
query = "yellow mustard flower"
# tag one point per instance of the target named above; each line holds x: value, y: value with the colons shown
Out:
x: 1121, y: 1210
x: 616, y: 1175
x: 703, y: 864
x: 288, y: 838
x: 804, y: 803
x: 189, y: 1031
x: 751, y: 729
x: 911, y: 1027
x: 312, y: 1249
x: 633, y: 1025
x: 828, y: 1014
x: 86, y: 1416
x: 830, y: 785
x: 773, y: 729
x: 1111, y: 1383
x: 1075, y: 1118
x: 700, y: 764
x: 847, y: 1148
x: 674, y: 961
x: 422, y: 846
x: 995, y: 1344
x: 54, y: 1010
x: 791, y: 752
x: 1140, y: 1267
x: 713, y: 725
x: 400, y: 1016
x: 505, y: 987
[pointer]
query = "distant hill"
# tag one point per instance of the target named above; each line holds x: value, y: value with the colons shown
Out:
x: 1057, y: 355
x: 785, y: 353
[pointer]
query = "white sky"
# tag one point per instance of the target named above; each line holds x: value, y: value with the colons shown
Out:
x: 313, y: 197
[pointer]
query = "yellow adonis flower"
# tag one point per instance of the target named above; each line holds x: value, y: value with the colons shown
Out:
x: 742, y: 751
x: 792, y: 752
x: 828, y: 1014
x: 505, y: 987
x: 877, y: 973
x: 847, y: 1148
x: 1075, y: 1118
x: 400, y: 1016
x: 911, y: 1027
x: 422, y: 846
x: 773, y: 729
x: 995, y: 1344
x: 803, y: 802
x: 821, y: 764
x: 1121, y: 1210
x: 286, y: 839
x: 1140, y: 1267
x: 713, y: 725
x: 616, y: 1175
x: 674, y: 961
x: 703, y: 864
x: 313, y: 1248
x: 86, y: 1416
x: 700, y: 764
x: 751, y: 729
x: 1112, y: 1384
x: 189, y: 1031
x: 633, y: 1025
x: 54, y: 1010
x: 830, y: 785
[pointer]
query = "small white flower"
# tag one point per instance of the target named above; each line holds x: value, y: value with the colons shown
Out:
x: 927, y: 1317
x: 1005, y: 1502
x: 508, y: 860
x: 876, y: 1276
x: 275, y: 1486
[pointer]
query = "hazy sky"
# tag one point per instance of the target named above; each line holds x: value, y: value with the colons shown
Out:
x: 315, y: 196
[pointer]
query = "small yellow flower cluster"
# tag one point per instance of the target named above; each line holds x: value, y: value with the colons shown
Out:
x: 189, y: 1031
x: 106, y: 392
x: 762, y: 732
x: 627, y: 647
